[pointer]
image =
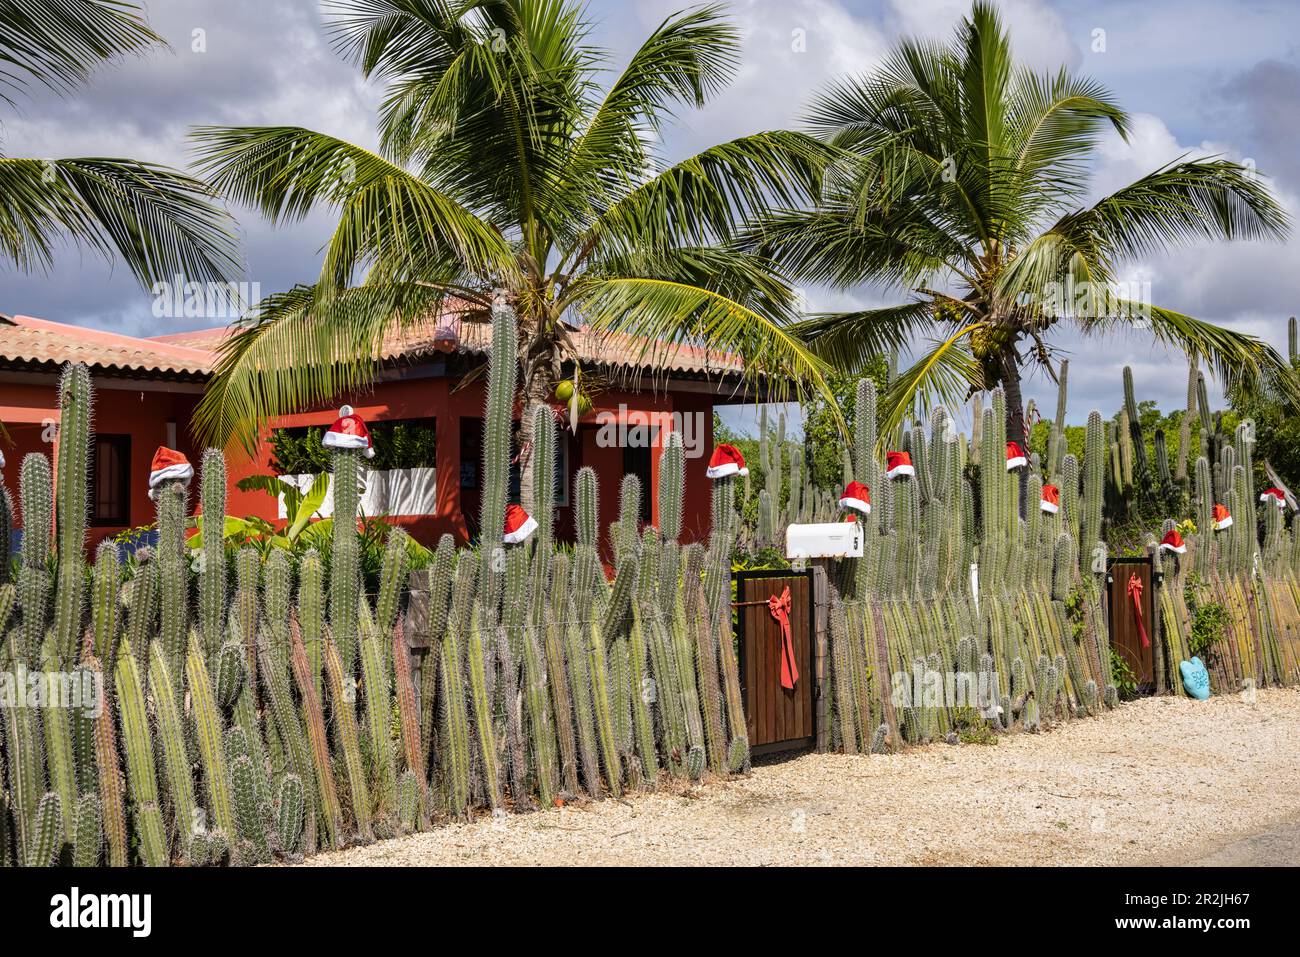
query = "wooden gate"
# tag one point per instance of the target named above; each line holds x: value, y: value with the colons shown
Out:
x: 1125, y: 636
x: 777, y: 719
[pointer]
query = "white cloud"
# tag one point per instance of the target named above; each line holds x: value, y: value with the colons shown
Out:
x: 790, y: 50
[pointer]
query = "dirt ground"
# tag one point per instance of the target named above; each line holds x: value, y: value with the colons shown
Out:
x: 1160, y: 781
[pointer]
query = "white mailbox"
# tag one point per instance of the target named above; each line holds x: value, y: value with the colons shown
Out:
x: 824, y: 540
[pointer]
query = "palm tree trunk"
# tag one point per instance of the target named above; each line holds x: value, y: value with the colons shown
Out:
x: 536, y: 392
x: 1016, y: 431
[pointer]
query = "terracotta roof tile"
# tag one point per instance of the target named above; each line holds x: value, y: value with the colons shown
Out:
x: 25, y: 339
x: 611, y: 349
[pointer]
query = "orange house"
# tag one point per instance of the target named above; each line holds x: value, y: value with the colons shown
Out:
x: 148, y: 389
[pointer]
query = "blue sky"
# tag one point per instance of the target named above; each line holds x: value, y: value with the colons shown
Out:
x: 1196, y: 77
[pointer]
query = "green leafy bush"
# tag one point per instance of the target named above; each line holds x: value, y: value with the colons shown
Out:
x: 407, y: 444
x: 1208, y: 623
x: 1122, y: 677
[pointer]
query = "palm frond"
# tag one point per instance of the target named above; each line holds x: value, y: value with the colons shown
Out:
x: 1179, y: 204
x: 687, y: 59
x: 848, y: 340
x: 58, y: 43
x: 388, y: 214
x: 161, y: 222
x: 300, y: 349
x: 944, y: 375
x: 836, y: 245
x: 708, y: 196
x: 1243, y: 363
x: 664, y: 314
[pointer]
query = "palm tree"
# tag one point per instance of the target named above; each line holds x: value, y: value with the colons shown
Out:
x: 964, y: 184
x: 508, y: 172
x: 160, y: 222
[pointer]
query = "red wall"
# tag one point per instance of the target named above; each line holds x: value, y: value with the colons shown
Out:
x: 142, y: 414
x: 420, y: 398
x: 145, y: 414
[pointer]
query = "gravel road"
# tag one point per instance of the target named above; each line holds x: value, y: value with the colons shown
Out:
x: 1160, y: 781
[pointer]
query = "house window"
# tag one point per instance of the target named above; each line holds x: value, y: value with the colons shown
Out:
x: 397, y: 444
x: 636, y: 461
x: 471, y: 457
x: 111, y: 499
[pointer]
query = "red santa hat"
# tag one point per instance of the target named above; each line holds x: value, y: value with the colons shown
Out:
x: 169, y: 465
x: 1016, y: 458
x: 1050, y: 500
x: 348, y: 432
x: 726, y: 461
x: 519, y: 524
x: 857, y: 497
x: 898, y: 464
x: 1274, y: 495
x: 1222, y: 517
x: 1173, y: 542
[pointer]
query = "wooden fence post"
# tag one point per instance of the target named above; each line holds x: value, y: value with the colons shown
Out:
x: 821, y: 621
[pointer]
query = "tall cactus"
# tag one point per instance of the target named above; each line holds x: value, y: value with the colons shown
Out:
x: 378, y: 716
x: 173, y: 574
x: 141, y: 777
x: 26, y: 780
x: 503, y: 370
x: 212, y: 573
x: 345, y: 564
x: 481, y: 631
x: 392, y: 580
x: 311, y: 614
x: 542, y: 430
x: 327, y: 799
x: 60, y: 758
x: 35, y: 493
x: 587, y: 506
x: 1058, y: 424
x: 105, y: 600
x: 1094, y: 475
x: 75, y: 407
x: 211, y: 747
x: 176, y: 760
x: 273, y: 667
x: 440, y: 576
x: 6, y: 532
x: 342, y: 688
x: 451, y: 668
x: 1144, y: 476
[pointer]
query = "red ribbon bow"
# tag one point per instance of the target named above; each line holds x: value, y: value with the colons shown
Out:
x: 779, y: 606
x: 1135, y: 592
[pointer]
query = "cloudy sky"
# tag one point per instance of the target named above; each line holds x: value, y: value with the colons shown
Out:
x: 1197, y: 77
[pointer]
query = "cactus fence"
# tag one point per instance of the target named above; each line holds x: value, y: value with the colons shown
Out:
x: 250, y: 711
